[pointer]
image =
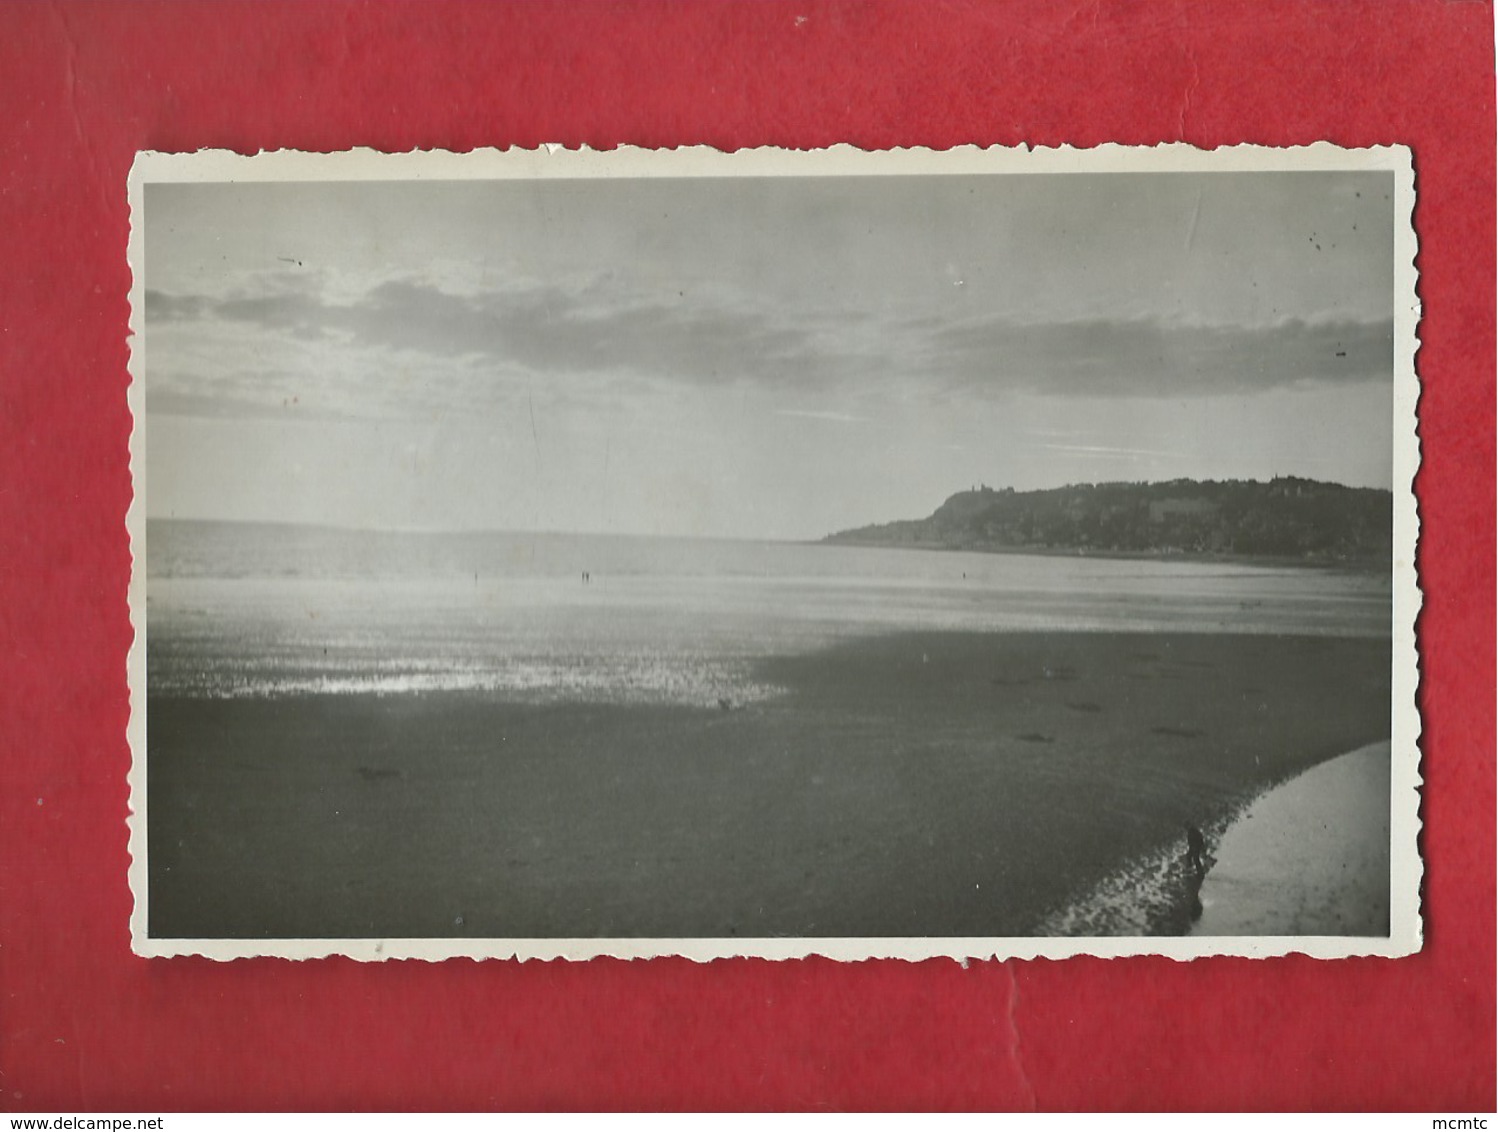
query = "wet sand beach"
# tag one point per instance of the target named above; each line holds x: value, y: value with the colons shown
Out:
x: 1310, y: 857
x: 964, y: 784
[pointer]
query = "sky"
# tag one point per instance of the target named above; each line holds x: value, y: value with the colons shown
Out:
x: 774, y: 357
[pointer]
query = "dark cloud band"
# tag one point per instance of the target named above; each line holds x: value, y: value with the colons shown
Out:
x: 695, y: 339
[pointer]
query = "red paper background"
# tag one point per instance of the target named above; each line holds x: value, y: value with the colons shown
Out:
x: 86, y: 1025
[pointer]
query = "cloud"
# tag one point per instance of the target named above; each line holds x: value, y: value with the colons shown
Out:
x: 412, y: 341
x: 169, y: 403
x: 547, y: 328
x: 162, y: 307
x: 1103, y: 450
x: 1147, y: 357
x: 821, y: 415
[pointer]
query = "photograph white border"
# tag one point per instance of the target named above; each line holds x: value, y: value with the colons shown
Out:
x: 555, y: 162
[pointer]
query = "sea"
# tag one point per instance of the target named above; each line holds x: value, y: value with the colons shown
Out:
x: 251, y: 609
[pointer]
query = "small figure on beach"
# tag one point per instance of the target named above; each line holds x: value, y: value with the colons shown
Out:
x: 1196, y: 845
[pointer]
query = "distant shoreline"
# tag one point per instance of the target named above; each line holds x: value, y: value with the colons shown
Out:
x: 1286, y: 521
x: 1363, y: 567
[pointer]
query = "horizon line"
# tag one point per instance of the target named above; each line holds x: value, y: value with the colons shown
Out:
x: 482, y: 530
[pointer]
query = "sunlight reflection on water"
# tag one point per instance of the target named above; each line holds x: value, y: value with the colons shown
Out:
x: 677, y: 622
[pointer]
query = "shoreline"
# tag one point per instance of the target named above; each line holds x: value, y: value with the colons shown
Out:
x: 1361, y: 568
x: 1308, y: 856
x: 1304, y: 855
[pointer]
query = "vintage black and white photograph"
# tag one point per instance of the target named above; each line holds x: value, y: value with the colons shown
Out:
x: 684, y: 553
